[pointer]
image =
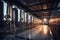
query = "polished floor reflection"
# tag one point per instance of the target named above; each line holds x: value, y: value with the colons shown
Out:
x: 41, y: 32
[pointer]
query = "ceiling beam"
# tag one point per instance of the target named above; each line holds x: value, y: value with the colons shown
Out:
x: 41, y: 3
x: 49, y: 9
x: 56, y: 3
x: 22, y: 6
x: 18, y: 4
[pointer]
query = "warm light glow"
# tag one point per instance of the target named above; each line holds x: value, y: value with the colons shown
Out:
x: 45, y: 19
x: 38, y: 29
x: 10, y: 19
x: 45, y: 29
x: 44, y: 6
x: 50, y: 32
x: 37, y: 21
x: 41, y: 29
x: 54, y: 21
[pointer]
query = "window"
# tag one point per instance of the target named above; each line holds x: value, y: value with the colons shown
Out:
x: 19, y: 14
x: 32, y: 19
x: 59, y: 4
x: 28, y: 18
x: 22, y: 15
x: 25, y: 15
x: 4, y: 10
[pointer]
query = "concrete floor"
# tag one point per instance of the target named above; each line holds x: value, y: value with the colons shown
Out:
x: 32, y: 34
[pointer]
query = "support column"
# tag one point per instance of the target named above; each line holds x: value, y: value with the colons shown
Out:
x: 1, y: 20
x: 11, y: 18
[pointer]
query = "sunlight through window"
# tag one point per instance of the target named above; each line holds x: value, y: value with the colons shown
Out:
x: 4, y: 10
x: 19, y: 15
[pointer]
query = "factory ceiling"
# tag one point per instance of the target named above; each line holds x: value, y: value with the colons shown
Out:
x: 39, y: 8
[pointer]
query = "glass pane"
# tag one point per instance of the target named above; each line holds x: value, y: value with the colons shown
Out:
x: 59, y: 4
x: 25, y: 16
x: 22, y: 16
x: 5, y: 9
x: 32, y: 19
x: 19, y: 15
x: 28, y: 18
